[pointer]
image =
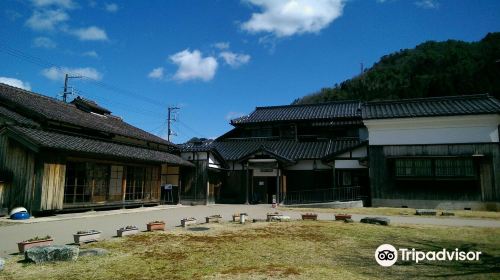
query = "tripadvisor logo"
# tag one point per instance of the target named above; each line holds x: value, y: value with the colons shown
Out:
x: 387, y: 255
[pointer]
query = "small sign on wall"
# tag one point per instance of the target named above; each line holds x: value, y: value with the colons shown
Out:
x: 261, y: 183
x: 167, y: 186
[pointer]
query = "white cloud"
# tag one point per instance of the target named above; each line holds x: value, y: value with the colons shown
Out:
x: 192, y: 66
x: 57, y: 74
x: 221, y: 45
x: 92, y: 33
x: 427, y: 4
x: 91, y: 54
x: 234, y: 59
x: 44, y: 42
x: 289, y: 17
x: 64, y: 4
x: 111, y: 7
x: 46, y: 19
x: 233, y: 115
x: 15, y: 83
x: 156, y: 73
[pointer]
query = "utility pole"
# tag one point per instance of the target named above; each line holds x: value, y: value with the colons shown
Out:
x: 65, y: 92
x: 171, y: 110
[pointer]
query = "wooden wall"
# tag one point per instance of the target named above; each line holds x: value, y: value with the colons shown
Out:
x: 51, y: 185
x: 20, y: 162
x: 194, y: 183
x: 486, y: 187
x: 233, y: 191
x: 299, y: 180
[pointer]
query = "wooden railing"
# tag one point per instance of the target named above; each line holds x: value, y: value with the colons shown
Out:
x: 323, y: 195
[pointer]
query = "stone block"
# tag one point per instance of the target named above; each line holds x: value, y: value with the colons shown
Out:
x: 426, y: 212
x: 376, y: 221
x: 52, y: 253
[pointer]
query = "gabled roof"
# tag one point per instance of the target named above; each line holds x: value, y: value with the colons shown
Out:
x: 429, y: 107
x: 41, y: 108
x: 36, y: 139
x: 267, y: 151
x: 16, y: 118
x: 342, y: 147
x: 199, y: 146
x: 89, y: 105
x: 203, y: 146
x: 233, y: 150
x: 323, y: 111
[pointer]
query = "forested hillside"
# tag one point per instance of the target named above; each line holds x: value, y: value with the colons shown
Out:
x: 430, y: 69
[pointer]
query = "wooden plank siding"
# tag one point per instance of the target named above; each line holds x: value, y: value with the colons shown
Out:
x: 235, y: 187
x: 485, y: 187
x: 20, y: 163
x: 52, y: 186
x: 194, y: 183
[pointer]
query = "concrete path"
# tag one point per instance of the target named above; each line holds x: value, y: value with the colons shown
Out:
x: 61, y: 227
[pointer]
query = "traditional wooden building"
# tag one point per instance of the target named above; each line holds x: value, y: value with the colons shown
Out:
x: 289, y: 154
x: 435, y: 152
x: 58, y: 156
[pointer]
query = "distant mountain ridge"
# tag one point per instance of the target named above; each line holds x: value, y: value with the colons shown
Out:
x: 428, y: 70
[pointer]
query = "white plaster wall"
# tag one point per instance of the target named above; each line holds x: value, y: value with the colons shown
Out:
x: 360, y: 152
x: 348, y: 164
x: 186, y: 155
x: 307, y: 165
x: 197, y: 155
x: 237, y: 166
x: 213, y: 162
x: 259, y: 173
x: 434, y: 130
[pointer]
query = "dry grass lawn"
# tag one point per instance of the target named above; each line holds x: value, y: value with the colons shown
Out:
x: 390, y: 211
x: 287, y: 250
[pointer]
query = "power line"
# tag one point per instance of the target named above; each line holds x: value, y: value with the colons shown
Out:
x: 135, y: 109
x: 197, y: 133
x: 45, y: 63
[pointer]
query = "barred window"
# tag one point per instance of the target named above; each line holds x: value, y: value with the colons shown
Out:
x: 413, y: 167
x: 438, y: 167
x: 454, y: 167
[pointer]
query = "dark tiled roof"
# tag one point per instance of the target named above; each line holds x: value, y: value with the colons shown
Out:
x: 349, y: 122
x: 16, y: 118
x: 428, y: 107
x: 331, y: 110
x: 42, y: 108
x: 58, y: 141
x: 89, y: 105
x: 236, y: 149
x: 203, y: 146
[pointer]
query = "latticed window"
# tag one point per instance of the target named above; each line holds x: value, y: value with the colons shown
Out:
x: 454, y: 167
x: 413, y: 167
x: 142, y: 183
x: 76, y: 188
x: 115, y: 183
x: 438, y: 167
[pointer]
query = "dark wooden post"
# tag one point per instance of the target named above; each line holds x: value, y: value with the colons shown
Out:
x: 246, y: 184
x: 277, y: 184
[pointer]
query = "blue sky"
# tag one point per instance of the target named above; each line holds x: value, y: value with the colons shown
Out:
x: 215, y: 60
